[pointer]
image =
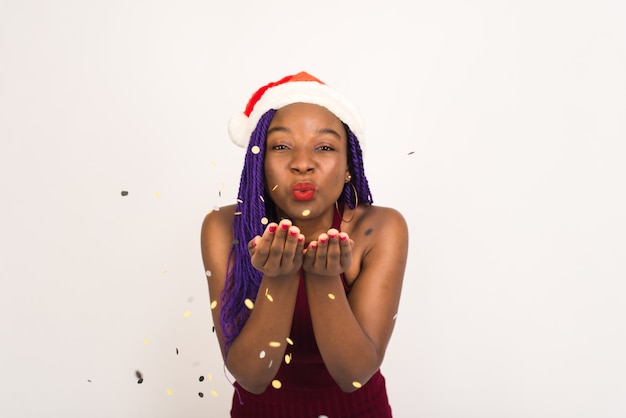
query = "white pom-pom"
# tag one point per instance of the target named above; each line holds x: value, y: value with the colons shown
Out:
x: 237, y: 127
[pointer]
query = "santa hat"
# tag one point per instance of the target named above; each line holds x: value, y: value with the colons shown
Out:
x: 298, y: 88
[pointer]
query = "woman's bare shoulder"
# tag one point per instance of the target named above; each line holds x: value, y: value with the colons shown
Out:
x: 374, y: 219
x: 219, y: 220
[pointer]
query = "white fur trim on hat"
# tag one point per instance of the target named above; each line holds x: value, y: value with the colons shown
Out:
x: 241, y: 127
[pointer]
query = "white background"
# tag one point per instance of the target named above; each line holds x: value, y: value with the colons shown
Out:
x: 498, y: 128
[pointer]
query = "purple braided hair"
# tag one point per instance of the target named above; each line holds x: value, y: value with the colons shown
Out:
x: 254, y: 204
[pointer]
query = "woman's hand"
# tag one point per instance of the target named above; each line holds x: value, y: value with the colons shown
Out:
x: 279, y: 251
x: 330, y: 255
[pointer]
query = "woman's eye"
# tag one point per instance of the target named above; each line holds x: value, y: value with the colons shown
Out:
x: 325, y: 148
x: 279, y: 147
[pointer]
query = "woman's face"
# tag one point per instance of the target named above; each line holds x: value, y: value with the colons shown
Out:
x: 305, y: 160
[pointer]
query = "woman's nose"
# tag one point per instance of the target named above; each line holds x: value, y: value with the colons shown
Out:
x: 302, y: 162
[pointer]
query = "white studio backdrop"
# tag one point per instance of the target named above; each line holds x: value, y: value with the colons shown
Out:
x: 497, y: 128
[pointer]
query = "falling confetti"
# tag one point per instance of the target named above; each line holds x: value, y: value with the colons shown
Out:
x: 356, y: 384
x: 395, y: 316
x: 306, y: 212
x: 239, y: 201
x: 262, y: 199
x: 139, y: 377
x: 158, y: 195
x: 269, y: 297
x: 412, y: 152
x: 262, y: 354
x: 289, y: 341
x: 187, y: 314
x: 213, y: 304
x: 331, y: 296
x: 275, y: 187
x: 249, y: 304
x: 276, y: 384
x: 255, y: 149
x: 287, y: 358
x: 200, y: 394
x: 176, y: 350
x: 237, y: 213
x: 124, y: 193
x: 275, y: 344
x: 210, y: 377
x: 146, y: 341
x: 264, y: 220
x: 201, y: 378
x: 270, y: 365
x: 214, y: 393
x: 170, y: 392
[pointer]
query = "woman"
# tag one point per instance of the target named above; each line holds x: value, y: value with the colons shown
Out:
x: 305, y: 274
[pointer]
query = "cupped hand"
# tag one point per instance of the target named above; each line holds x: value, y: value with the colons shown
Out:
x: 330, y: 255
x: 279, y: 251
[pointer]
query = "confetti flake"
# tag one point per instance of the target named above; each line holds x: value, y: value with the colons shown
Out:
x: 239, y: 200
x: 255, y: 149
x: 124, y: 193
x: 249, y: 304
x: 275, y: 344
x: 270, y: 365
x: 201, y: 378
x: 395, y: 316
x: 164, y: 272
x: 213, y: 304
x: 287, y: 358
x: 269, y: 297
x: 357, y: 384
x: 237, y: 213
x: 262, y: 354
x: 200, y: 394
x: 306, y: 212
x: 170, y: 392
x: 210, y: 377
x: 146, y: 341
x: 323, y: 416
x: 262, y: 198
x: 213, y: 163
x: 264, y: 220
x: 276, y: 384
x: 158, y: 195
x: 331, y: 296
x: 275, y: 187
x: 187, y: 314
x: 214, y: 393
x: 289, y: 341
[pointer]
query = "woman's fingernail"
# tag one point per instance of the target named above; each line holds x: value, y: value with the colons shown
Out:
x: 293, y: 233
x: 343, y: 237
x: 323, y: 240
x: 284, y: 227
x: 301, y: 238
x: 272, y: 228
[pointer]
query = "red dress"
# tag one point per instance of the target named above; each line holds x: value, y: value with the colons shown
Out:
x: 307, y: 389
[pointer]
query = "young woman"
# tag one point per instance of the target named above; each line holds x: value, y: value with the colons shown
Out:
x: 305, y: 274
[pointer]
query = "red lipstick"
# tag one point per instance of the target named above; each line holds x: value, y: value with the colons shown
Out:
x: 303, y: 191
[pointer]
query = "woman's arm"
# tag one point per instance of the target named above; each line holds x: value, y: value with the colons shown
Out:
x: 352, y: 332
x: 251, y: 359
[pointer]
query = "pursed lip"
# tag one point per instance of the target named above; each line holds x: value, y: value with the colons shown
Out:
x: 303, y: 190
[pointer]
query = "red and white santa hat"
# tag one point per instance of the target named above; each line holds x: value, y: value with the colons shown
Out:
x: 298, y: 88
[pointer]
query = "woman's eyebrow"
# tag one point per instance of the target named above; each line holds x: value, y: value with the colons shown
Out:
x: 277, y: 129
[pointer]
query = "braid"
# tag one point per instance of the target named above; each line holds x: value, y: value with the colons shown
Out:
x: 359, y: 181
x: 242, y: 279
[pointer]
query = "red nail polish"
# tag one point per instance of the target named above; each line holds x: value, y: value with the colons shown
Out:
x: 300, y: 239
x: 332, y: 236
x: 312, y: 246
x: 293, y: 233
x: 272, y: 228
x: 323, y: 240
x: 284, y: 227
x: 343, y: 237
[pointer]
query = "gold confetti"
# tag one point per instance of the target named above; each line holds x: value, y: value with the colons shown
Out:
x: 262, y: 199
x: 210, y: 377
x: 158, y: 195
x: 170, y: 391
x: 264, y: 220
x: 237, y: 213
x: 287, y: 358
x: 356, y: 384
x: 276, y: 384
x: 289, y: 341
x: 274, y: 343
x: 239, y: 201
x: 208, y: 273
x: 213, y: 163
x: 306, y: 212
x: 270, y: 298
x: 331, y: 296
x: 255, y: 149
x: 270, y: 365
x: 275, y: 187
x: 262, y: 354
x: 187, y: 314
x: 164, y: 272
x: 214, y: 393
x: 213, y: 304
x: 249, y: 304
x: 146, y: 341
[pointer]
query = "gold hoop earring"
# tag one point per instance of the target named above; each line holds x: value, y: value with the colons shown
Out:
x: 356, y: 205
